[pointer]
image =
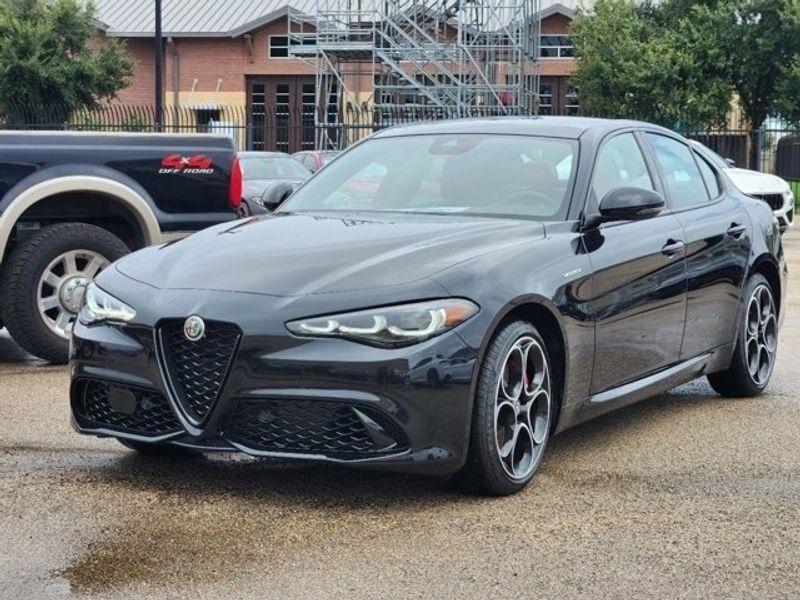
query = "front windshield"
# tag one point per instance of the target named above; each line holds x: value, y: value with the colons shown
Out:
x: 455, y: 173
x: 272, y: 167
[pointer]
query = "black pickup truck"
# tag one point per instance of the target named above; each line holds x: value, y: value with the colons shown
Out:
x: 72, y: 203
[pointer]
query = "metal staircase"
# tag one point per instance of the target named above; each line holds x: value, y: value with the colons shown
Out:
x: 457, y: 57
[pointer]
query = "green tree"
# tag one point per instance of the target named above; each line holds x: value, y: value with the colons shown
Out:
x: 760, y: 45
x: 682, y: 62
x: 49, y: 57
x: 632, y: 63
x: 788, y: 100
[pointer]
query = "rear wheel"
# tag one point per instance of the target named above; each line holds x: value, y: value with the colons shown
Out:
x: 44, y: 280
x: 513, y: 411
x: 756, y: 344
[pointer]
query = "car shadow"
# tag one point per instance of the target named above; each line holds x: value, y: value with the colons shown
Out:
x: 313, y: 485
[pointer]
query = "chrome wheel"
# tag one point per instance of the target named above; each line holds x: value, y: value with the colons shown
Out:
x: 522, y: 408
x: 761, y: 335
x: 62, y: 285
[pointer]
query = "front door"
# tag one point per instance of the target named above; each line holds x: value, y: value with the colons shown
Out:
x: 557, y: 96
x: 281, y: 112
x: 718, y: 240
x: 639, y: 276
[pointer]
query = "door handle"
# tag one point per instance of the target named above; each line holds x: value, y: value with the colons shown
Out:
x: 672, y: 247
x: 736, y: 230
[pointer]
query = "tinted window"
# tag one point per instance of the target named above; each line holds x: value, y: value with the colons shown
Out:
x: 709, y: 176
x: 620, y: 164
x: 682, y: 176
x: 273, y: 168
x: 457, y: 173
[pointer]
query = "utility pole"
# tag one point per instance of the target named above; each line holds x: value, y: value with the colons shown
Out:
x: 159, y: 116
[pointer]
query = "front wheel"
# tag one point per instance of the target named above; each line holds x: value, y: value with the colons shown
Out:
x: 513, y: 410
x: 44, y: 280
x: 756, y: 344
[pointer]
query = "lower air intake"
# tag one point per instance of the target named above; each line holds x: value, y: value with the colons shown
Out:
x: 101, y: 405
x: 332, y: 429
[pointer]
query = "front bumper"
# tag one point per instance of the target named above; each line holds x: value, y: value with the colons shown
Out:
x: 782, y: 205
x: 328, y: 400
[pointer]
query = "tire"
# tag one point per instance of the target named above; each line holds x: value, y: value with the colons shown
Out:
x: 159, y: 449
x: 26, y: 293
x: 746, y: 377
x: 498, y: 421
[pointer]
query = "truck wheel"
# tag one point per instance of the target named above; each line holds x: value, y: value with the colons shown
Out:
x: 44, y: 280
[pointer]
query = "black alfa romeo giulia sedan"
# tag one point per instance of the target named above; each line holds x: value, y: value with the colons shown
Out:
x: 442, y: 299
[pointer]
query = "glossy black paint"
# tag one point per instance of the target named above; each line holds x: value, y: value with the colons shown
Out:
x: 180, y: 200
x: 629, y: 308
x: 630, y: 204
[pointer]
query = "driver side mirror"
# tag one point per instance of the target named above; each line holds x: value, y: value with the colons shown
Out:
x: 276, y: 195
x: 630, y: 204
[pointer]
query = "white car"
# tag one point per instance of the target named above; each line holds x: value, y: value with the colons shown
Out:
x: 770, y: 188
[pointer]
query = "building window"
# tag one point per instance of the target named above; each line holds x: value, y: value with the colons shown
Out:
x: 556, y: 46
x: 545, y: 99
x: 279, y: 46
x: 572, y: 105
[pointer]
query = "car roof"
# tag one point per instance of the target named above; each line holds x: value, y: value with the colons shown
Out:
x: 565, y: 127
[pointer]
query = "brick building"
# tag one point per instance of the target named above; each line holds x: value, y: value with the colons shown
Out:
x: 235, y: 53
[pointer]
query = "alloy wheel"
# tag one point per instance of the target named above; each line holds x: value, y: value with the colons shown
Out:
x: 62, y: 286
x: 761, y: 335
x: 522, y: 408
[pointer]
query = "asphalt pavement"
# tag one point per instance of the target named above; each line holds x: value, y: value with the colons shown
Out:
x: 686, y: 495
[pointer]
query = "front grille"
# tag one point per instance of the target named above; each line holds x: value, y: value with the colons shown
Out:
x: 333, y: 429
x: 122, y: 408
x: 775, y: 201
x: 197, y: 370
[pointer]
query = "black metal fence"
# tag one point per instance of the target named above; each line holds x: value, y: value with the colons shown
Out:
x: 290, y: 129
x: 252, y: 128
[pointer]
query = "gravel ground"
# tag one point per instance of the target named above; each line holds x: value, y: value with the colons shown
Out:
x: 686, y: 495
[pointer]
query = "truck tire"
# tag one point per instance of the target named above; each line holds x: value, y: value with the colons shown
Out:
x: 43, y: 282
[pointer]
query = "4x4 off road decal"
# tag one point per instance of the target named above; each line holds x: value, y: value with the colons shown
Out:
x: 198, y: 164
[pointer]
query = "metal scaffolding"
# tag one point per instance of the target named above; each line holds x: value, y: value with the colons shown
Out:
x: 459, y: 57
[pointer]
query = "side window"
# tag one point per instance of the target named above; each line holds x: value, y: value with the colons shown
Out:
x: 709, y: 176
x: 682, y: 176
x: 620, y: 163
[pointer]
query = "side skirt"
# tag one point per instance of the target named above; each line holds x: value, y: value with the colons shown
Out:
x: 650, y: 385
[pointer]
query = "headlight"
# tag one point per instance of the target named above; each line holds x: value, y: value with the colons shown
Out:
x: 101, y: 306
x: 390, y: 326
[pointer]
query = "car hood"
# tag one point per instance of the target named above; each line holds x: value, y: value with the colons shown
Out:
x: 753, y: 182
x: 299, y: 254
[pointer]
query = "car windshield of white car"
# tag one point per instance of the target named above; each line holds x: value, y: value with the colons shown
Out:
x: 496, y: 175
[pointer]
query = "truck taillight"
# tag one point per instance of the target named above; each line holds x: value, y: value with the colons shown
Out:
x: 235, y: 191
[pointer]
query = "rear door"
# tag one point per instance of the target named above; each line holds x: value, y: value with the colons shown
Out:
x: 639, y: 281
x: 718, y: 241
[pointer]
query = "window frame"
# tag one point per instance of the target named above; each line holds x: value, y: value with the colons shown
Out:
x: 270, y: 46
x: 649, y: 165
x: 558, y: 47
x: 663, y: 177
x: 714, y: 172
